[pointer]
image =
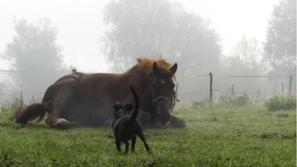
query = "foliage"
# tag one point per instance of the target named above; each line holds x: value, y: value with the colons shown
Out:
x: 34, y: 53
x: 280, y: 47
x: 246, y: 58
x: 159, y: 28
x: 17, y: 102
x: 239, y: 101
x: 281, y: 103
x: 200, y: 104
x: 224, y: 101
x: 262, y: 139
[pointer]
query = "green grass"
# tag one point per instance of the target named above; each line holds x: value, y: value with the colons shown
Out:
x: 219, y: 137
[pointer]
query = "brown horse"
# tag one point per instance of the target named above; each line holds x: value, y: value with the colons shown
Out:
x: 87, y: 99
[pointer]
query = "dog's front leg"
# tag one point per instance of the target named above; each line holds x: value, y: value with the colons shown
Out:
x: 133, y: 141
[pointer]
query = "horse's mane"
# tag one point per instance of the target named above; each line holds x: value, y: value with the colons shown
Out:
x: 146, y: 65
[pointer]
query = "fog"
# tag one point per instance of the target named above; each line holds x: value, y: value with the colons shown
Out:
x: 248, y: 46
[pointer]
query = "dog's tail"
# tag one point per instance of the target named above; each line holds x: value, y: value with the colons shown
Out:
x: 136, y: 104
x: 30, y: 113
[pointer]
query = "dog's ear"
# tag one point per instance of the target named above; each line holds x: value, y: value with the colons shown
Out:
x: 116, y: 106
x: 116, y: 112
x: 128, y: 107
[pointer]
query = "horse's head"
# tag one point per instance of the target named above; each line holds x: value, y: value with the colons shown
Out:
x: 163, y: 94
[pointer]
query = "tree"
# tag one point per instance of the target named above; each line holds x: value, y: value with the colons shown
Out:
x: 280, y: 46
x: 159, y: 28
x: 246, y: 58
x: 35, y: 55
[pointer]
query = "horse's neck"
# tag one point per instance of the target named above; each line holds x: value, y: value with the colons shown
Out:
x: 141, y: 83
x: 138, y: 80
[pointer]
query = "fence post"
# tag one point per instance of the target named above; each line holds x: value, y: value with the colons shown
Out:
x: 232, y: 91
x: 290, y: 85
x: 283, y: 89
x: 210, y: 88
x: 21, y: 100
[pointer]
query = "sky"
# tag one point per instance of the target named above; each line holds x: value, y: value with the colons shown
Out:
x: 80, y: 24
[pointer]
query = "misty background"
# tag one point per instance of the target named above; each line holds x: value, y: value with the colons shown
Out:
x: 249, y: 46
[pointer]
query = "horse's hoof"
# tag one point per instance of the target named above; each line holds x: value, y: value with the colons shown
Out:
x: 176, y: 122
x: 62, y: 123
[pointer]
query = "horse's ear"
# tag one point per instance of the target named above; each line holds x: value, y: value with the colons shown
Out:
x: 139, y: 60
x: 173, y: 68
x: 155, y: 69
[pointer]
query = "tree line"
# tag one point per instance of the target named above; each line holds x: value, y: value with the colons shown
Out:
x: 157, y: 28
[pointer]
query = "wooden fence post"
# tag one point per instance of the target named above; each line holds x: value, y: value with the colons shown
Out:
x: 210, y: 88
x: 232, y: 91
x: 21, y: 100
x: 283, y: 89
x: 290, y: 85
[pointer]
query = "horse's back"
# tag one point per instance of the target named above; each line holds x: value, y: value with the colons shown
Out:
x: 89, y: 97
x: 103, y: 86
x: 69, y: 82
x: 99, y: 91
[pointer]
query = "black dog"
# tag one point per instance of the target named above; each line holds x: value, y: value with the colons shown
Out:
x: 121, y: 110
x: 125, y: 127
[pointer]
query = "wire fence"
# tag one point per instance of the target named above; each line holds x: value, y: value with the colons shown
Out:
x: 196, y: 87
x: 211, y: 86
x: 30, y: 71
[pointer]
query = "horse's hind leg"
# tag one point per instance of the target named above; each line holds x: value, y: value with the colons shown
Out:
x: 60, y: 105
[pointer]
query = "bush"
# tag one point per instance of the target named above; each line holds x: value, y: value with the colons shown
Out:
x: 239, y: 101
x: 225, y: 101
x: 281, y: 103
x: 198, y: 104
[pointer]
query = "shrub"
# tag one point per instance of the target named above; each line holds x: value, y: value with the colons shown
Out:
x: 197, y: 104
x: 239, y: 101
x: 281, y: 103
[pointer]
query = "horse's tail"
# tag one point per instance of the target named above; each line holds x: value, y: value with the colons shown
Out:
x: 30, y: 113
x: 136, y: 104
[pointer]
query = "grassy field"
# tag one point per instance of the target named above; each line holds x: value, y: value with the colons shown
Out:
x: 218, y: 137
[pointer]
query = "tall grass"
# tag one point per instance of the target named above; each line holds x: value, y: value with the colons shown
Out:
x: 281, y: 103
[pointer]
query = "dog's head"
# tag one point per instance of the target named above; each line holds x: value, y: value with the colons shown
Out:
x: 121, y: 109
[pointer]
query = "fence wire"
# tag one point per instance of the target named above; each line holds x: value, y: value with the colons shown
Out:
x: 195, y: 87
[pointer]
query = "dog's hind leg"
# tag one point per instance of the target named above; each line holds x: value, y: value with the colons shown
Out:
x: 126, y: 147
x: 141, y: 136
x: 118, y: 144
x: 133, y: 141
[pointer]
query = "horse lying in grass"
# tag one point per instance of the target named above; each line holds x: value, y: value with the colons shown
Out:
x: 87, y: 99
